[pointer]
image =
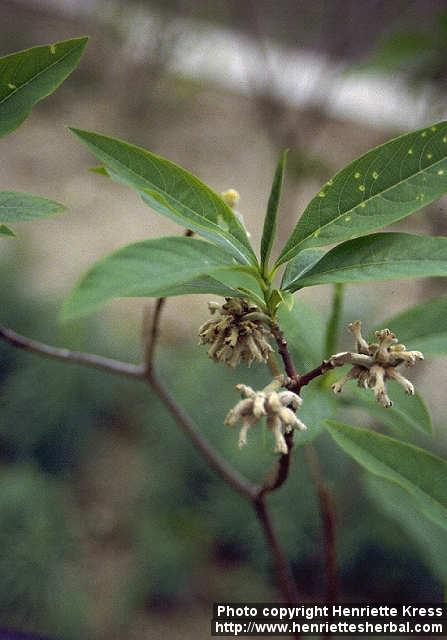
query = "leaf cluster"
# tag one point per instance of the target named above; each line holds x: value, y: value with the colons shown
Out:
x: 26, y: 77
x: 383, y: 186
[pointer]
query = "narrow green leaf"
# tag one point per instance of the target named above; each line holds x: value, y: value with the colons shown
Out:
x: 269, y: 231
x: 427, y: 535
x: 172, y: 191
x: 383, y: 186
x: 382, y: 256
x: 153, y: 268
x: 304, y: 331
x: 300, y: 264
x: 6, y: 231
x: 226, y: 282
x: 102, y: 171
x: 423, y: 327
x: 408, y: 413
x: 18, y: 207
x: 31, y: 75
x: 209, y: 230
x: 276, y: 299
x: 203, y: 284
x: 422, y: 474
x: 334, y: 321
x: 237, y: 278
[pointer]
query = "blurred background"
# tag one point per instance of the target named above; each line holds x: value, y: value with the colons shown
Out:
x: 110, y: 524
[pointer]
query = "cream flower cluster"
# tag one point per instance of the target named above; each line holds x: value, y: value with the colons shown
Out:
x: 238, y: 332
x: 277, y: 405
x: 376, y: 362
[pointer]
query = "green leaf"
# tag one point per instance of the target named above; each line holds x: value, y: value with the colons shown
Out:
x: 227, y: 282
x: 215, y: 232
x: 153, y: 268
x: 427, y: 535
x: 269, y: 231
x: 6, y: 231
x: 408, y: 413
x: 102, y: 171
x: 238, y: 278
x: 304, y: 330
x: 383, y: 186
x: 422, y: 474
x: 381, y: 256
x: 276, y: 299
x: 31, y: 75
x: 18, y: 207
x: 203, y: 284
x: 300, y: 264
x: 334, y: 321
x: 172, y: 192
x: 423, y: 327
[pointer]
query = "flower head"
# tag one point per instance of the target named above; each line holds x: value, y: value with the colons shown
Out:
x: 238, y: 332
x: 277, y: 405
x: 376, y: 362
x: 231, y: 197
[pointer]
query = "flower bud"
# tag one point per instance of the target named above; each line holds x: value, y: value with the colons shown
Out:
x: 238, y: 332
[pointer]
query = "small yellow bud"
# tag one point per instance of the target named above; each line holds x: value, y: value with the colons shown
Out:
x: 231, y: 197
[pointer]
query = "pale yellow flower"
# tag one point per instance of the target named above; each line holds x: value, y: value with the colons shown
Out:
x: 376, y: 362
x: 278, y: 406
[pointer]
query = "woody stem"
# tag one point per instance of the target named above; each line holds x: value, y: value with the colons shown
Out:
x: 325, y: 496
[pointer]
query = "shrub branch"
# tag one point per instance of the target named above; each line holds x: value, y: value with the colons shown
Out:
x: 252, y: 492
x: 145, y: 373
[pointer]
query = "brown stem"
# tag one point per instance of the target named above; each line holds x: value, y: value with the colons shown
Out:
x: 305, y: 378
x: 337, y: 360
x: 150, y: 335
x: 328, y: 520
x: 325, y: 497
x: 150, y: 341
x: 212, y: 457
x: 280, y: 473
x: 252, y: 492
x: 283, y: 350
x: 76, y: 357
x: 286, y: 582
x: 145, y: 373
x: 278, y: 477
x: 139, y: 372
